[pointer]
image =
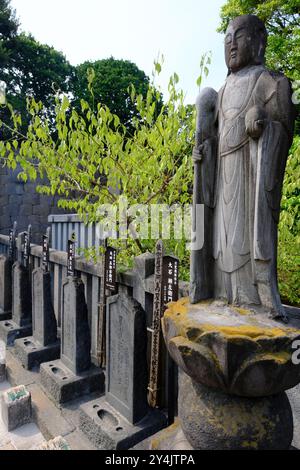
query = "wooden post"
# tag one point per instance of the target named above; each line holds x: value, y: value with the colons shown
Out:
x: 155, y: 329
x: 108, y: 285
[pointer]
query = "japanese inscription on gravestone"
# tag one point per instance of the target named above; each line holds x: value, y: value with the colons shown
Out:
x: 45, y: 259
x: 71, y: 257
x: 12, y: 242
x: 110, y: 269
x: 170, y: 279
x: 27, y: 241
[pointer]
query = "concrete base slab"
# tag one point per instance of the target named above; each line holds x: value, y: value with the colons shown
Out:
x: 31, y: 353
x: 10, y: 331
x: 107, y: 429
x: 62, y: 385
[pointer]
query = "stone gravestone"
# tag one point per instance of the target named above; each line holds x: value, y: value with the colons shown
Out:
x: 73, y: 374
x: 122, y: 418
x: 21, y: 323
x: 6, y: 263
x: 43, y: 346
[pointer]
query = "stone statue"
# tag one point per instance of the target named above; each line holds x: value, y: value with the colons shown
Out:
x: 235, y: 362
x: 243, y: 136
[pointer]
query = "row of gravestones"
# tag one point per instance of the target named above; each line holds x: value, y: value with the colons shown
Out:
x: 119, y: 419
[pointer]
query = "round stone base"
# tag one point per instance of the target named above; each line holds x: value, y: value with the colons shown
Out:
x: 214, y: 420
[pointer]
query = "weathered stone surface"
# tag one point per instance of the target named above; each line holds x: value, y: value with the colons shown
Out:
x: 126, y: 373
x: 43, y: 346
x: 16, y: 373
x: 62, y: 385
x: 235, y: 350
x: 213, y: 420
x: 76, y: 339
x: 72, y: 375
x: 107, y: 429
x: 21, y: 300
x: 31, y: 353
x: 10, y: 331
x: 5, y: 288
x: 44, y: 324
x: 16, y: 407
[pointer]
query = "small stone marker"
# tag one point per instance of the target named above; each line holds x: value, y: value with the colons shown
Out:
x: 6, y: 263
x: 123, y: 417
x: 16, y: 407
x: 43, y: 346
x: 73, y: 375
x: 58, y: 443
x: 21, y: 323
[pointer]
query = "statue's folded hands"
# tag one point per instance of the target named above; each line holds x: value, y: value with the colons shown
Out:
x: 255, y: 121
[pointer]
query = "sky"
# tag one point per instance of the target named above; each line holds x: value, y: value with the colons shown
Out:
x: 135, y: 30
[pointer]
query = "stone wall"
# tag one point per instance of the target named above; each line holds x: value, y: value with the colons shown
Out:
x: 20, y: 202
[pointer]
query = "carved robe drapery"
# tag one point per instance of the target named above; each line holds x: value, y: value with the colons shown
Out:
x: 247, y: 188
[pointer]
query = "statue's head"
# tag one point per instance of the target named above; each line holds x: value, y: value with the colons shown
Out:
x: 245, y: 42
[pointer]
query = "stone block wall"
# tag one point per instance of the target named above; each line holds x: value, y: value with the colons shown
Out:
x: 20, y: 202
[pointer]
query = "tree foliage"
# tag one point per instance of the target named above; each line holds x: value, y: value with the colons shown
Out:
x: 92, y: 160
x: 289, y: 229
x: 8, y: 28
x: 29, y: 68
x: 111, y: 80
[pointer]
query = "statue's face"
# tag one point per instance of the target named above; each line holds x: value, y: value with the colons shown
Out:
x: 238, y: 46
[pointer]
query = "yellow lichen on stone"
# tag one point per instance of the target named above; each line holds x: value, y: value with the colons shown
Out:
x: 249, y: 445
x: 164, y: 434
x: 249, y: 331
x: 176, y: 308
x: 230, y: 419
x: 242, y: 311
x: 281, y: 357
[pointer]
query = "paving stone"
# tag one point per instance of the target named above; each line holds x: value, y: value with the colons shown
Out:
x: 47, y: 416
x: 25, y: 437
